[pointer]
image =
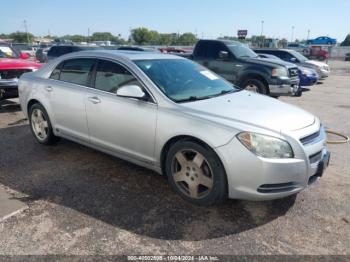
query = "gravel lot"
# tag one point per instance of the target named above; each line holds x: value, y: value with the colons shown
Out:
x: 85, y: 202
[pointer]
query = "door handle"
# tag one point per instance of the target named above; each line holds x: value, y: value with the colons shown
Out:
x: 205, y: 63
x: 94, y: 100
x: 48, y: 88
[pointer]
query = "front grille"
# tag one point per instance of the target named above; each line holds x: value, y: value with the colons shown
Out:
x: 293, y: 71
x: 13, y: 73
x: 277, y: 188
x: 315, y: 157
x: 310, y: 138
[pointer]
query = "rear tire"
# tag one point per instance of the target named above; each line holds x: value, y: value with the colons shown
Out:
x: 196, y: 173
x: 255, y: 85
x: 40, y: 125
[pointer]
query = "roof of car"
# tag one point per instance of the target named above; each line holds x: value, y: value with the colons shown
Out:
x: 131, y: 55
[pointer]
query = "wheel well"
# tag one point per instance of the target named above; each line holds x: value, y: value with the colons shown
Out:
x: 172, y: 141
x: 30, y: 103
x: 254, y: 76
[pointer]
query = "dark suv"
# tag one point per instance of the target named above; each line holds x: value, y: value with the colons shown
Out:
x: 58, y: 50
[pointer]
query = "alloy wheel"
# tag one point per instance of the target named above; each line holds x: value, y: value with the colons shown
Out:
x: 192, y: 173
x: 39, y: 124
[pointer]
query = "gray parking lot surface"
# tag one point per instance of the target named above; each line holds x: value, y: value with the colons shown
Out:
x: 85, y: 202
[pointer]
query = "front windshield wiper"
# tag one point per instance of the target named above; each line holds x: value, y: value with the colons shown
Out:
x: 192, y: 98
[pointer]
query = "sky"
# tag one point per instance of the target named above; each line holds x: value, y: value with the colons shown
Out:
x: 206, y: 18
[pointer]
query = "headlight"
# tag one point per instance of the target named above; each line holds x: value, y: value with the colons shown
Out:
x: 280, y: 72
x: 266, y: 146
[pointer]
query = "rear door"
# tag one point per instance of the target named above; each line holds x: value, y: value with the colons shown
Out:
x: 67, y: 92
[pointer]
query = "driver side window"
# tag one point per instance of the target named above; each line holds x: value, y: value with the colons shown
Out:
x: 111, y: 76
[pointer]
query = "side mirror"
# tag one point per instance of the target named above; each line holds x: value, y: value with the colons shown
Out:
x: 23, y: 56
x: 223, y: 55
x: 131, y: 91
x: 293, y: 59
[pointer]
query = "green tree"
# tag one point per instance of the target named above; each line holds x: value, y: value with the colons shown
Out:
x: 141, y: 35
x: 346, y: 42
x: 165, y: 39
x: 154, y: 38
x: 77, y: 38
x: 282, y: 43
x: 187, y: 39
x: 102, y: 36
x: 21, y: 37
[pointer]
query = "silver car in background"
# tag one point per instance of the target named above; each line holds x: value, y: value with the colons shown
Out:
x: 210, y: 139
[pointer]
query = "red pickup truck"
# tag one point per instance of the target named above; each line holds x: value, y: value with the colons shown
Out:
x: 12, y: 65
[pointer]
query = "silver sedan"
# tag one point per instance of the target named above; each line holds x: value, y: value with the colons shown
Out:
x: 210, y: 139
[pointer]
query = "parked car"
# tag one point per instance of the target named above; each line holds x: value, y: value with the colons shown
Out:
x: 292, y: 56
x: 301, y: 48
x: 322, y: 40
x: 318, y: 52
x: 307, y: 76
x: 12, y: 65
x: 241, y: 66
x: 138, y: 48
x: 347, y: 57
x: 210, y: 139
x: 41, y: 55
x: 58, y: 50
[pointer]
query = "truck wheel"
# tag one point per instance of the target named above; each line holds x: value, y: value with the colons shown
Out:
x: 255, y: 85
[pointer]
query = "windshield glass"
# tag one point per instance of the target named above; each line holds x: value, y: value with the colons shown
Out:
x: 242, y: 51
x: 7, y: 52
x: 298, y: 56
x: 183, y: 80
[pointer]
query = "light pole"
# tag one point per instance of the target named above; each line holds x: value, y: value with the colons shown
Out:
x: 308, y: 34
x: 292, y: 33
x: 26, y: 29
x: 262, y: 31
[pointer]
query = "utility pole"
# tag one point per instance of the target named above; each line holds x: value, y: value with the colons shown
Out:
x: 88, y: 36
x: 26, y: 29
x: 261, y: 35
x: 308, y: 34
x: 292, y: 33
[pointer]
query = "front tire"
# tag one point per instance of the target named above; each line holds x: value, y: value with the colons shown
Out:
x: 41, y: 125
x: 256, y: 86
x: 195, y: 172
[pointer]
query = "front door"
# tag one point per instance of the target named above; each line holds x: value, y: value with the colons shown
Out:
x: 121, y: 125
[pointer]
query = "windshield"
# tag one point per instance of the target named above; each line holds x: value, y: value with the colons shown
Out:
x: 7, y: 52
x: 183, y: 80
x: 242, y: 51
x: 298, y: 56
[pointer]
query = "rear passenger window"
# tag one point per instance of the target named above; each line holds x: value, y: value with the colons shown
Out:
x: 56, y: 72
x: 111, y: 76
x: 77, y: 71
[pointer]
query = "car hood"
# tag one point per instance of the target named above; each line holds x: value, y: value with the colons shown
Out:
x: 251, y: 109
x: 269, y: 62
x: 316, y: 63
x: 13, y: 63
